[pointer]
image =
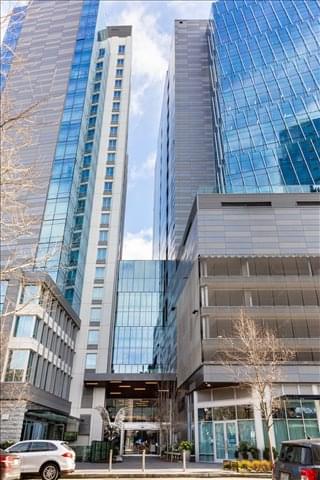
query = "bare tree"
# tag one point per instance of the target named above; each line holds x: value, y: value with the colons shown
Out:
x: 256, y: 356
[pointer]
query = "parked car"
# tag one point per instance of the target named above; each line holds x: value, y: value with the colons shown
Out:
x: 48, y: 458
x: 298, y: 460
x: 9, y: 466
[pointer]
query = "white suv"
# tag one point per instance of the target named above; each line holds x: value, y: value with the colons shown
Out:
x: 49, y: 458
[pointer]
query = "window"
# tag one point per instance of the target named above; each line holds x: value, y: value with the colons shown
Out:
x: 96, y: 87
x: 91, y: 360
x: 103, y: 236
x: 42, y: 447
x: 86, y: 161
x: 120, y: 62
x: 95, y: 315
x: 109, y: 171
x: 30, y: 294
x: 88, y: 147
x: 116, y: 106
x: 93, y: 337
x: 118, y: 84
x: 99, y: 65
x: 3, y: 291
x: 90, y: 134
x: 99, y: 275
x: 115, y: 118
x: 92, y: 122
x: 17, y: 365
x: 102, y: 254
x: 98, y: 76
x: 95, y: 98
x: 108, y: 187
x: 78, y: 222
x: 93, y: 109
x: 83, y: 190
x: 81, y: 206
x: 74, y: 255
x: 26, y: 326
x: 85, y: 175
x: 113, y: 131
x: 117, y: 94
x: 106, y: 203
x: 20, y: 447
x: 119, y: 72
x: 97, y: 293
x: 121, y: 49
x: 112, y: 145
x: 102, y: 51
x: 111, y: 157
x: 105, y: 219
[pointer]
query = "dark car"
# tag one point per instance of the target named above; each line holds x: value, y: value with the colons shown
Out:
x: 298, y: 460
x: 9, y: 466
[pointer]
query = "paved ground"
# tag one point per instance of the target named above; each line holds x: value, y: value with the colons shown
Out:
x: 155, y: 468
x: 152, y: 463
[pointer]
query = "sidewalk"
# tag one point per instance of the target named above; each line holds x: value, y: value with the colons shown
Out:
x: 155, y: 467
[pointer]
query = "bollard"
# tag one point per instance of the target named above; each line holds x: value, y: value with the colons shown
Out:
x: 143, y: 460
x: 184, y: 460
x: 110, y: 459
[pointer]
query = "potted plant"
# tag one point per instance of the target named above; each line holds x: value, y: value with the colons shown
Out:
x: 187, y: 446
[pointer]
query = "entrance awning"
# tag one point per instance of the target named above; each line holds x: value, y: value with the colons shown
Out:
x: 50, y: 416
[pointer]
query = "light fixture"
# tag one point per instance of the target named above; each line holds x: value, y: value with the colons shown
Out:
x: 115, y: 393
x: 115, y: 381
x: 195, y: 312
x: 92, y: 383
x: 163, y: 391
x: 151, y: 383
x: 124, y: 386
x: 139, y: 388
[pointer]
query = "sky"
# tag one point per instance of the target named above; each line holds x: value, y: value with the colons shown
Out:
x: 152, y: 23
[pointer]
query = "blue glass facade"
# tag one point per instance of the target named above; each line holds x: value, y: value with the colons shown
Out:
x: 266, y: 95
x: 10, y: 40
x: 56, y: 253
x: 138, y: 316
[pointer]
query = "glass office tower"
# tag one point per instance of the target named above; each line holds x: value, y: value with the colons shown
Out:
x: 10, y: 41
x: 266, y: 78
x: 139, y: 308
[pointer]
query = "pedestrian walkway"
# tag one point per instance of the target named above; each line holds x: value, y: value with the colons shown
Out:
x: 155, y: 467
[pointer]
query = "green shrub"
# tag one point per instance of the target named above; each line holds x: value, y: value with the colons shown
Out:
x: 185, y: 445
x: 6, y: 444
x: 253, y: 465
x: 70, y: 436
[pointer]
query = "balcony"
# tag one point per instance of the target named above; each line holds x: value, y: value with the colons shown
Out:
x: 225, y: 282
x: 263, y: 312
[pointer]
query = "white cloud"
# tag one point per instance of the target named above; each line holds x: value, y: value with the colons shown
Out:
x: 143, y: 171
x: 150, y: 48
x: 138, y: 245
x: 199, y: 9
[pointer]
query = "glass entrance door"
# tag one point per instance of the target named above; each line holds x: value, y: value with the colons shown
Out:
x: 135, y: 441
x: 225, y: 440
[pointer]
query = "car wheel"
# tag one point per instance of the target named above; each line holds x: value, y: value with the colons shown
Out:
x: 49, y: 471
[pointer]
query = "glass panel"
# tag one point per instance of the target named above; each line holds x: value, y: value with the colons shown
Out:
x: 219, y: 441
x: 312, y: 428
x: 206, y: 441
x: 247, y: 431
x: 296, y: 429
x: 231, y: 436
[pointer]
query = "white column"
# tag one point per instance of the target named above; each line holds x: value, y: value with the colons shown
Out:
x: 96, y: 432
x: 196, y: 427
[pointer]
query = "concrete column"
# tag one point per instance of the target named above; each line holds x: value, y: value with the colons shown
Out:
x: 196, y: 428
x: 96, y: 432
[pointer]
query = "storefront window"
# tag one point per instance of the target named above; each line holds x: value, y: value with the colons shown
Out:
x: 247, y: 431
x: 224, y: 413
x: 206, y: 441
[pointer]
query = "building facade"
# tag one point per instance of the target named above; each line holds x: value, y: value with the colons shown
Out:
x: 105, y: 229
x: 237, y: 247
x: 265, y: 74
x: 38, y: 335
x: 256, y: 254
